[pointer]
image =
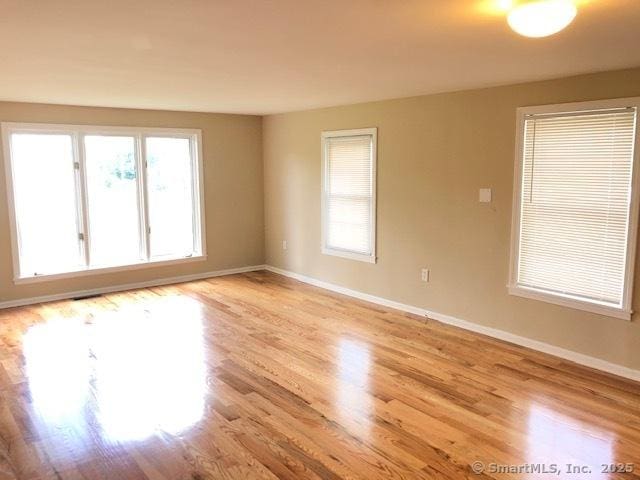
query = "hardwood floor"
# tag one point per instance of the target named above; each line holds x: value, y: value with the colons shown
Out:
x: 259, y: 376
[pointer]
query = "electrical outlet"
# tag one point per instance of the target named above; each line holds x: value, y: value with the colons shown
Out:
x: 484, y: 195
x: 284, y: 244
x: 425, y: 275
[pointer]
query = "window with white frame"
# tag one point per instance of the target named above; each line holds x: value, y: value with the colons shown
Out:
x: 85, y: 199
x: 575, y: 205
x: 349, y: 194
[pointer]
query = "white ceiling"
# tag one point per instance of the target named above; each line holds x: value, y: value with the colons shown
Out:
x: 266, y: 56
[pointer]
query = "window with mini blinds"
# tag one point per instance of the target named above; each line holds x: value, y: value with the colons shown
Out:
x: 84, y: 199
x: 575, y: 205
x: 349, y: 193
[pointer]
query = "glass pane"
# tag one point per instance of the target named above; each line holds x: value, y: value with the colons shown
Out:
x: 113, y: 200
x: 45, y: 200
x: 349, y: 224
x: 170, y: 192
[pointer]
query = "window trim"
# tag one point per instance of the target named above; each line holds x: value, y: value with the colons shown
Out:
x: 625, y: 310
x: 139, y: 133
x: 373, y: 131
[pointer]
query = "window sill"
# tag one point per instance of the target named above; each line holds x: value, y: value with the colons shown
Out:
x: 102, y: 270
x: 350, y: 255
x: 568, y: 301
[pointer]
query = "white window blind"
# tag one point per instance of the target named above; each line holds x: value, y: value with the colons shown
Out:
x: 349, y: 193
x: 575, y: 204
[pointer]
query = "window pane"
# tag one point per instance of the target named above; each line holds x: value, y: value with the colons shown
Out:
x: 350, y: 165
x: 349, y: 225
x: 45, y: 201
x: 170, y: 193
x: 114, y: 226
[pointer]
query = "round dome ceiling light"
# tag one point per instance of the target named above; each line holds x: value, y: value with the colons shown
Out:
x: 541, y: 18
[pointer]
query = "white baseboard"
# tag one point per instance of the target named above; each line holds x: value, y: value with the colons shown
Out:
x: 128, y: 286
x: 563, y: 353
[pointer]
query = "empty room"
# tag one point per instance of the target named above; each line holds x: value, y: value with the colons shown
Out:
x: 319, y: 239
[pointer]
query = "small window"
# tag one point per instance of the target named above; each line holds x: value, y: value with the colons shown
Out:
x: 88, y: 199
x: 575, y: 205
x: 349, y: 194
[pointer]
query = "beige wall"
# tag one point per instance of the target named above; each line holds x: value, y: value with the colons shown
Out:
x: 233, y: 181
x: 434, y: 152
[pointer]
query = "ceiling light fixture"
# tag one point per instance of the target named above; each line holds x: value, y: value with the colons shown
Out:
x: 541, y: 18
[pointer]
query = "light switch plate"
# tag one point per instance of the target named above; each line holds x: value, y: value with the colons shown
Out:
x: 425, y: 274
x: 485, y: 195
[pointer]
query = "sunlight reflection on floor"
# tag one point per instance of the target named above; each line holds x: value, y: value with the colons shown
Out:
x: 144, y: 366
x: 57, y: 365
x: 554, y: 437
x: 353, y: 399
